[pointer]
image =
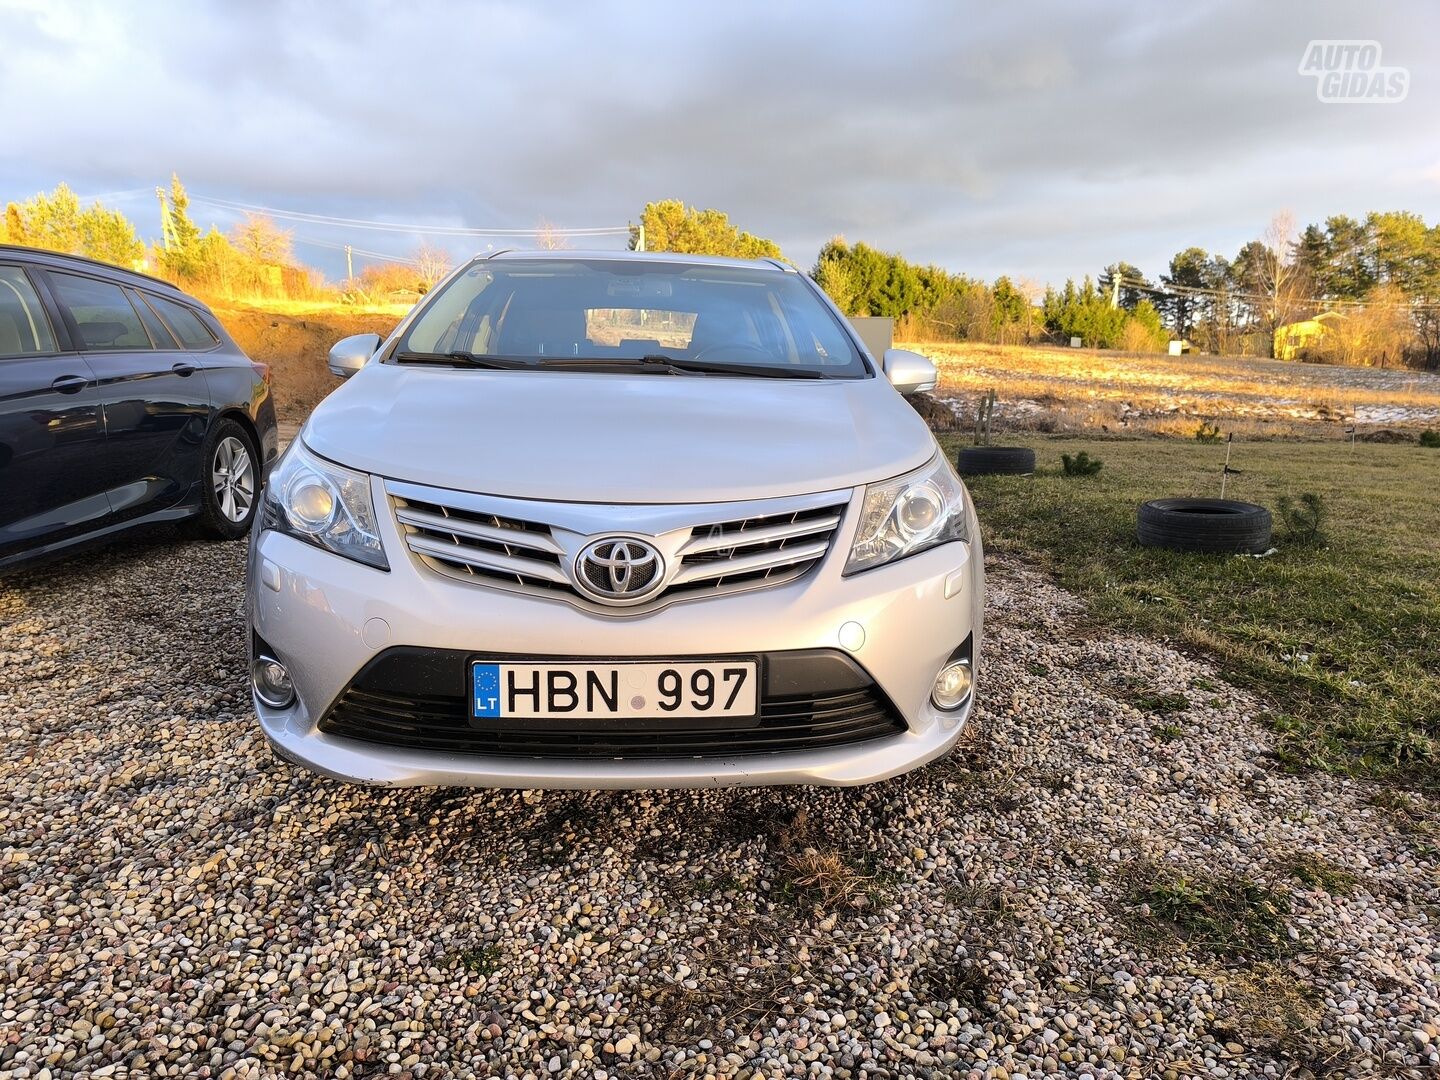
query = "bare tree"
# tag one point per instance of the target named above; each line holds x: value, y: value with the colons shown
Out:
x: 1278, y: 272
x: 262, y: 241
x: 431, y: 264
x: 548, y: 237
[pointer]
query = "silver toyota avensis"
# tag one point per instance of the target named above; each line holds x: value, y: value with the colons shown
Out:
x: 616, y: 520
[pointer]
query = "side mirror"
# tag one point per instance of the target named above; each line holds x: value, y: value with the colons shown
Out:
x: 348, y: 355
x: 909, y: 372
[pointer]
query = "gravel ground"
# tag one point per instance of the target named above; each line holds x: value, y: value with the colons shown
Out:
x: 1107, y: 880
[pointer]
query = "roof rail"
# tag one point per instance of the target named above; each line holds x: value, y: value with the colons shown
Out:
x: 22, y: 249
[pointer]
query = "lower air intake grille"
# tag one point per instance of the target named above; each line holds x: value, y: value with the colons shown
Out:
x: 416, y: 699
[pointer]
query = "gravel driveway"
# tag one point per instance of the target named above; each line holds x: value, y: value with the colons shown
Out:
x: 1108, y: 880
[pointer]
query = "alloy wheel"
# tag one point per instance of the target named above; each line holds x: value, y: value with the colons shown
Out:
x: 233, y: 475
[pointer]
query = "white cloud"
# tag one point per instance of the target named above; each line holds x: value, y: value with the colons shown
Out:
x: 989, y: 140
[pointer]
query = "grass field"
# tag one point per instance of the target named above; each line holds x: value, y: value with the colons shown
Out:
x: 1088, y: 390
x: 1341, y: 635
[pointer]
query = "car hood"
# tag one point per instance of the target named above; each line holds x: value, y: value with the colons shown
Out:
x: 579, y: 437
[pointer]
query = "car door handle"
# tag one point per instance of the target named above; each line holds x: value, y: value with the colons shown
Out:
x: 69, y: 384
x: 183, y: 369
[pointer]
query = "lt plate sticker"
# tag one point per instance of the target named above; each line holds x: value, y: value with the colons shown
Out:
x: 487, y: 689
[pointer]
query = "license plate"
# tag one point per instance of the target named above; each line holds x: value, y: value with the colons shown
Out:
x: 682, y: 690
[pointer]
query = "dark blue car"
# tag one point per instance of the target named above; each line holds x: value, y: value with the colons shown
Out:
x: 123, y: 402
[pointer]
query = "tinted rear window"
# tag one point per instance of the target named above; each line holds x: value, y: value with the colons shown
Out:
x: 101, y: 311
x: 188, y: 327
x: 159, y: 332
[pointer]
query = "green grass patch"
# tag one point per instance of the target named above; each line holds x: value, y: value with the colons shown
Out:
x: 1231, y: 918
x: 1318, y: 873
x: 1340, y: 636
x: 479, y: 960
x: 1151, y: 702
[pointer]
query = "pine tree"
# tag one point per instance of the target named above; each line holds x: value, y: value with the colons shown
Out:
x: 183, y: 256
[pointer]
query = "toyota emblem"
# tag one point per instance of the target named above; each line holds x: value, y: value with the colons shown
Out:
x: 619, y: 570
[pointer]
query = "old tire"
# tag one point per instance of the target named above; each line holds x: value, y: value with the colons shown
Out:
x: 1216, y: 525
x: 995, y: 460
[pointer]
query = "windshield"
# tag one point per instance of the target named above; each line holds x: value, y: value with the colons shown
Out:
x: 616, y: 314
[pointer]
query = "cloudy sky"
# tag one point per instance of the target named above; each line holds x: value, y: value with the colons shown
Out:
x: 1038, y: 142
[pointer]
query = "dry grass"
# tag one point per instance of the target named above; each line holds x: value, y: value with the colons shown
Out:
x: 826, y: 881
x: 1050, y: 389
x: 319, y: 309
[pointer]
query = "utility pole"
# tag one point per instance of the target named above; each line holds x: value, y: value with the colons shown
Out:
x: 167, y: 227
x: 1115, y: 291
x: 640, y: 237
x: 349, y: 269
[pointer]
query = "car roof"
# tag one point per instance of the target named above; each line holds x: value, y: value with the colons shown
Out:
x: 638, y: 256
x: 92, y: 266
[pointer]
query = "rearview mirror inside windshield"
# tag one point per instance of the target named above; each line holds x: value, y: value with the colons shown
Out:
x: 648, y: 286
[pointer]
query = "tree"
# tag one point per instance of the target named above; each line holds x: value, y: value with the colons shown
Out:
x: 1085, y: 313
x: 109, y: 236
x: 1144, y: 331
x: 1372, y: 335
x: 1276, y: 275
x: 1009, y: 313
x: 263, y: 242
x: 670, y: 225
x: 1349, y: 273
x: 549, y: 238
x: 15, y: 225
x: 58, y: 222
x: 431, y: 264
x: 1189, y: 271
x: 53, y: 221
x: 879, y: 283
x: 1133, y: 284
x: 182, y: 256
x: 834, y: 274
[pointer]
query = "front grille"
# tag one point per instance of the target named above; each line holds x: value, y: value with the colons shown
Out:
x: 416, y: 699
x: 532, y: 547
x: 756, y: 550
x: 483, y: 545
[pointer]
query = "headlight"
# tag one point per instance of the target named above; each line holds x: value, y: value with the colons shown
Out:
x: 909, y: 514
x: 325, y: 505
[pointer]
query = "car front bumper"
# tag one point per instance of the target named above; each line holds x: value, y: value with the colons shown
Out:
x: 325, y: 618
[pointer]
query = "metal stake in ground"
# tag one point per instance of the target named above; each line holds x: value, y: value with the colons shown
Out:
x: 1226, y: 471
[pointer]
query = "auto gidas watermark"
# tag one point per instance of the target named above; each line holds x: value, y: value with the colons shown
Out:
x: 1349, y: 72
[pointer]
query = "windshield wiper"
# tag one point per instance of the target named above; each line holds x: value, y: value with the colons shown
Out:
x: 680, y: 365
x: 460, y: 358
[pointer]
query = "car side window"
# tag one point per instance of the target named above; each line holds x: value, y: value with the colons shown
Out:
x: 159, y: 332
x: 193, y: 333
x: 24, y: 326
x: 102, y: 313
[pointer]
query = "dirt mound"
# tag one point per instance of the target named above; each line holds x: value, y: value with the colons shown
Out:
x: 296, y: 345
x: 938, y: 414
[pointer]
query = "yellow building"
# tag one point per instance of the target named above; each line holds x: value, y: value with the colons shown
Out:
x: 1293, y: 339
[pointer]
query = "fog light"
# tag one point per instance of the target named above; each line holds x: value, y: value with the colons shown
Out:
x: 272, y: 682
x: 952, y: 686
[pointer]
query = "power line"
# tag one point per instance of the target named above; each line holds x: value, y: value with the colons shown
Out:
x: 394, y: 226
x: 114, y: 196
x: 332, y: 245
